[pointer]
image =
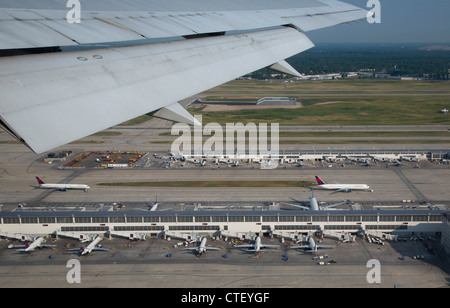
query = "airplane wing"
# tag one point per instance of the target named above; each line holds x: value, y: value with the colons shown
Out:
x: 299, y: 247
x: 207, y: 248
x: 326, y: 246
x: 50, y: 99
x: 47, y: 246
x: 244, y: 246
x: 343, y: 189
x: 12, y: 246
x: 254, y: 250
x: 73, y: 249
x: 93, y: 249
x: 296, y: 205
x: 100, y: 249
x: 269, y: 246
x: 26, y: 250
x: 333, y: 205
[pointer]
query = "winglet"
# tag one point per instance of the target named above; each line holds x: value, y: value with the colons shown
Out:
x: 176, y: 113
x: 285, y: 68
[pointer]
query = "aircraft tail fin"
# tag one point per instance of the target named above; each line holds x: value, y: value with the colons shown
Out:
x: 39, y: 180
x: 319, y: 181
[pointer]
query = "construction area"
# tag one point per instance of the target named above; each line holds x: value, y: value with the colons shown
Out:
x: 106, y: 159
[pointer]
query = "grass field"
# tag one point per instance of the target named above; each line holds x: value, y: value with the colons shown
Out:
x: 338, y: 102
x: 331, y: 103
x: 418, y: 110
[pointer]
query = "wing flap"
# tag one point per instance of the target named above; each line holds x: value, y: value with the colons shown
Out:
x: 318, y: 21
x: 92, y: 31
x: 17, y: 34
x: 54, y: 99
x: 152, y: 26
x: 119, y: 20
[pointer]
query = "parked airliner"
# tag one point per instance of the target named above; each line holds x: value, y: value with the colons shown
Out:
x: 256, y: 246
x: 313, y: 247
x: 201, y: 248
x: 38, y: 243
x: 90, y: 248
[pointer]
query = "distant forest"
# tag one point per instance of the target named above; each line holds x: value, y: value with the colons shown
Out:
x: 422, y: 60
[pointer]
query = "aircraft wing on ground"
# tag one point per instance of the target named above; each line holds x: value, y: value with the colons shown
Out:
x: 50, y: 99
x: 269, y: 246
x: 300, y: 247
x: 100, y: 249
x: 244, y: 246
x: 73, y: 249
x: 206, y: 248
x: 329, y: 206
x: 326, y: 246
x: 298, y: 206
x: 28, y: 249
x: 83, y: 249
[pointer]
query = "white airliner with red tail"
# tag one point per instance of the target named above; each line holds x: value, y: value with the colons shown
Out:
x: 90, y: 248
x: 29, y: 247
x: 340, y: 187
x: 62, y: 187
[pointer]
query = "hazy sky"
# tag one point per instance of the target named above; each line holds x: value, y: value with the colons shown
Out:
x: 403, y: 21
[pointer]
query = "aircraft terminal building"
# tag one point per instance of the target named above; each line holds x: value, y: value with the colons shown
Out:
x: 152, y: 223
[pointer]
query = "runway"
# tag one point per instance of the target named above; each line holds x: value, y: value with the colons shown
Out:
x: 388, y: 184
